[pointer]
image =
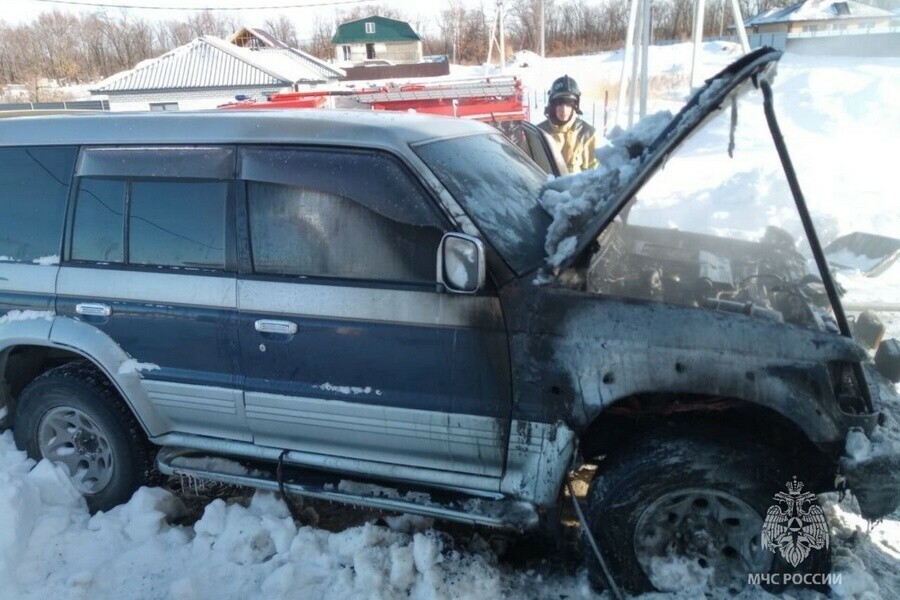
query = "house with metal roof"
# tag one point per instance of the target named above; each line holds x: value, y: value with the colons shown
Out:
x: 377, y: 38
x: 819, y: 16
x: 210, y: 71
x: 845, y: 28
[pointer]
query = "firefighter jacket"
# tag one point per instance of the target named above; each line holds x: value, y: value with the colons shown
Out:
x: 577, y: 142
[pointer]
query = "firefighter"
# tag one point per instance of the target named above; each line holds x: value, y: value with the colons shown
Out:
x: 576, y: 139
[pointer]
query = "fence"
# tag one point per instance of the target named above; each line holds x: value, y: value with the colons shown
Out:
x: 75, y: 105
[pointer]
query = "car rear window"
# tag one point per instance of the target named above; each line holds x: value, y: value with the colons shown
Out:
x: 34, y: 187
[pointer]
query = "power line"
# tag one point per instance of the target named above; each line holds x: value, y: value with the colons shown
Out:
x: 147, y: 7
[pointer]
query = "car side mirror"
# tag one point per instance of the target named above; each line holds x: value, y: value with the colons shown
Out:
x: 461, y: 265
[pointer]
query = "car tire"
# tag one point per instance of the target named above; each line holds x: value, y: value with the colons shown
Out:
x: 72, y: 415
x: 673, y: 512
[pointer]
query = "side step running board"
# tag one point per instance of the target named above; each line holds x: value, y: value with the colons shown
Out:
x: 504, y: 514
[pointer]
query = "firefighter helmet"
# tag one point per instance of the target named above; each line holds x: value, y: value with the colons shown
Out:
x: 565, y: 89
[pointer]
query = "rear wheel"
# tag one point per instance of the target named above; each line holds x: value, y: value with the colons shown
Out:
x: 674, y: 513
x: 73, y: 416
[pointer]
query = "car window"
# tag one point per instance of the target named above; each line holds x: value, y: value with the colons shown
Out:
x: 34, y: 188
x: 299, y: 231
x: 170, y: 223
x: 177, y: 223
x: 499, y: 189
x: 350, y: 216
x: 99, y: 226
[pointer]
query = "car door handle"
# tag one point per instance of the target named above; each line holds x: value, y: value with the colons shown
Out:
x: 89, y: 309
x: 271, y: 326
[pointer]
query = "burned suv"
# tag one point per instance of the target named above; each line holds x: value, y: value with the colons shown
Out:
x: 312, y: 300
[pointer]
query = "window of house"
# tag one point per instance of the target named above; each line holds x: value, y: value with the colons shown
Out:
x: 370, y: 27
x: 339, y: 215
x: 34, y: 187
x: 163, y: 106
x: 347, y: 52
x: 370, y: 51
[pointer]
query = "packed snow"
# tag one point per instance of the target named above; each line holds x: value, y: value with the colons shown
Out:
x: 26, y: 315
x: 47, y: 261
x: 347, y: 390
x: 133, y: 366
x: 841, y: 126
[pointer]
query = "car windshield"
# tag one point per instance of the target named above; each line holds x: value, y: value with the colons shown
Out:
x: 498, y: 187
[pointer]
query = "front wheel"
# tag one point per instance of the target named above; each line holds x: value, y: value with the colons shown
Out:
x: 73, y: 416
x: 675, y: 513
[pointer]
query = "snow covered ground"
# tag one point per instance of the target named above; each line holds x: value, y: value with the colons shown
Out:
x: 841, y: 124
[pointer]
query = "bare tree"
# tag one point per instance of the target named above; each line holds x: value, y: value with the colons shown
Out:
x: 208, y: 22
x: 283, y: 29
x: 319, y: 42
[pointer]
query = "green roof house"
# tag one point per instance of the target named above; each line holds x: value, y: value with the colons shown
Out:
x: 377, y: 38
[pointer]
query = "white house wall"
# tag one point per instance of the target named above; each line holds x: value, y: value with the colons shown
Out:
x: 196, y: 100
x: 394, y: 51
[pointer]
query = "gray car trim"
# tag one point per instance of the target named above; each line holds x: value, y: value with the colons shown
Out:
x: 29, y: 279
x: 539, y: 456
x: 353, y: 128
x: 203, y: 410
x: 515, y: 515
x: 34, y: 330
x: 369, y: 304
x: 459, y: 482
x: 401, y: 436
x: 181, y: 288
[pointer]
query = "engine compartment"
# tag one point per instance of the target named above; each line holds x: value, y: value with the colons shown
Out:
x: 768, y: 279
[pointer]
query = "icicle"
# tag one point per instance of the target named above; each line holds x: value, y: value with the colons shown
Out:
x: 733, y: 126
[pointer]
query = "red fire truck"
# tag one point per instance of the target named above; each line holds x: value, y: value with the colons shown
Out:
x: 499, y: 101
x: 492, y: 99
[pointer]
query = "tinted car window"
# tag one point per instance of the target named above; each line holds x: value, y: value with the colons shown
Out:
x: 339, y: 214
x: 98, y: 232
x: 34, y: 187
x: 298, y: 231
x: 170, y: 223
x: 374, y: 180
x: 177, y: 223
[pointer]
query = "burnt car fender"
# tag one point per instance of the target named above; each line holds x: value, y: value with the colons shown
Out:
x: 577, y: 354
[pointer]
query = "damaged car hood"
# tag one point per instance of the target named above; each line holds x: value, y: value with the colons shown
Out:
x: 609, y: 188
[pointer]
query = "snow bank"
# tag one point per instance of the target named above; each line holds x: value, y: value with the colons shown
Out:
x: 51, y: 547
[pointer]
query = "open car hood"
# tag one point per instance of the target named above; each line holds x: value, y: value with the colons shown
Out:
x: 614, y: 188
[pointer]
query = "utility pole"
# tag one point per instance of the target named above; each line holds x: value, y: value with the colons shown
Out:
x: 699, y: 6
x: 492, y: 39
x: 637, y: 44
x: 645, y: 56
x: 502, y: 37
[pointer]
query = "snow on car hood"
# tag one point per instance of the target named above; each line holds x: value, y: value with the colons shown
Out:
x: 583, y: 204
